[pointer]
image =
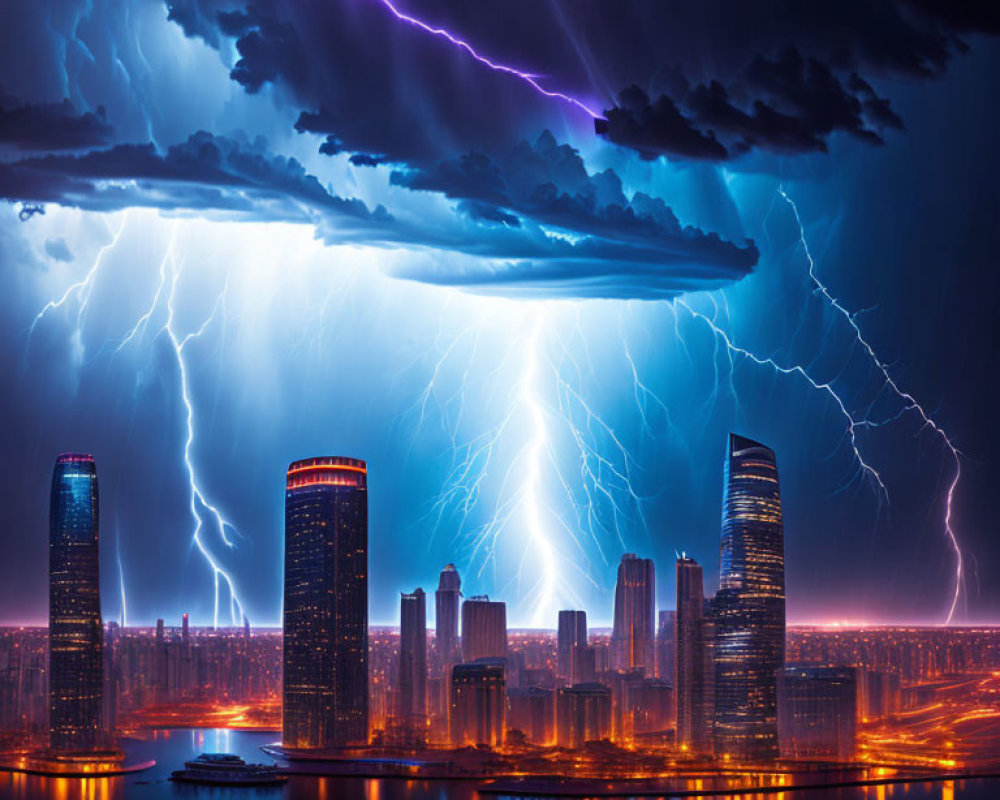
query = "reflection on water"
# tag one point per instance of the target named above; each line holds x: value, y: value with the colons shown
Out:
x: 171, y: 748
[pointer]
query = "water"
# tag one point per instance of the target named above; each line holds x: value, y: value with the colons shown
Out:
x: 172, y: 748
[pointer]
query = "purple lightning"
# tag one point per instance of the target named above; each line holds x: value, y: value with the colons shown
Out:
x: 525, y: 77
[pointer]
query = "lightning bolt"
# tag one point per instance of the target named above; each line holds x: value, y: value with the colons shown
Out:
x: 205, y: 514
x: 525, y: 77
x: 540, y: 412
x: 909, y: 403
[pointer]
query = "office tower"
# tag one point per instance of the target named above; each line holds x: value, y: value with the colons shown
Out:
x: 818, y: 712
x: 649, y: 707
x: 160, y: 664
x: 484, y: 629
x: 694, y: 724
x: 246, y: 627
x: 635, y: 608
x: 325, y: 656
x: 446, y: 620
x: 572, y: 635
x: 750, y: 605
x: 583, y: 714
x: 76, y: 637
x: 666, y: 654
x: 476, y: 713
x: 532, y: 710
x: 413, y: 658
x: 185, y: 630
x: 112, y: 677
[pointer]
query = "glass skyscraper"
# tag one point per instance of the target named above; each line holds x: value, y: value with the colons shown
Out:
x: 325, y: 689
x: 633, y: 635
x: 76, y: 638
x: 446, y: 618
x: 694, y: 720
x: 750, y: 605
x: 413, y: 658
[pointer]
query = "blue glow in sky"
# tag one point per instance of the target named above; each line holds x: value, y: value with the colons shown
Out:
x: 537, y: 341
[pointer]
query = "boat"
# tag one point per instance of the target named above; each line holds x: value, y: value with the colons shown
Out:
x: 226, y: 769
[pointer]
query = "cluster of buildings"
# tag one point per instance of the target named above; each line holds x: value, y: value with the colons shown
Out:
x: 716, y: 678
x: 720, y: 658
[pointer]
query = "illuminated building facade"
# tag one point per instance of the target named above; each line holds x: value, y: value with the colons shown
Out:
x: 532, y: 710
x: 818, y: 712
x: 484, y: 629
x: 446, y: 600
x: 649, y: 710
x: 572, y: 635
x: 694, y: 712
x: 76, y: 637
x: 325, y: 689
x: 632, y: 638
x: 477, y: 707
x: 750, y: 605
x: 583, y: 714
x: 413, y: 658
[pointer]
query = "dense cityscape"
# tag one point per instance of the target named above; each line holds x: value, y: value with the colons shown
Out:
x: 716, y: 685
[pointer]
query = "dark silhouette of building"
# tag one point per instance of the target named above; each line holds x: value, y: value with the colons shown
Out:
x: 583, y: 714
x: 477, y: 708
x: 76, y: 636
x: 632, y: 637
x: 532, y: 710
x: 572, y: 635
x: 694, y: 715
x: 413, y: 659
x: 325, y: 688
x: 649, y: 707
x: 750, y: 605
x: 446, y: 600
x: 484, y: 629
x: 666, y: 642
x: 818, y: 712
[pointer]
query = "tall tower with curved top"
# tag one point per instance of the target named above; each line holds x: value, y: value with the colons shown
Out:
x: 750, y: 605
x: 325, y: 689
x: 76, y: 639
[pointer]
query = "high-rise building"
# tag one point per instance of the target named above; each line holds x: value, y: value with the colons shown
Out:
x: 76, y: 637
x: 649, y: 708
x: 477, y: 707
x: 818, y: 712
x: 666, y: 653
x: 572, y: 635
x: 633, y: 634
x: 750, y: 605
x: 583, y: 714
x: 446, y: 600
x: 325, y: 688
x: 694, y: 723
x: 484, y: 629
x: 413, y: 658
x: 531, y: 710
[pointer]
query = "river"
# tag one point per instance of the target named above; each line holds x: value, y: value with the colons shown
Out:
x: 171, y: 748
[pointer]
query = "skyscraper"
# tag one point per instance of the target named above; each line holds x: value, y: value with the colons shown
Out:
x: 632, y: 637
x: 325, y: 688
x: 413, y: 658
x: 666, y: 646
x: 477, y: 708
x: 572, y: 635
x: 694, y: 728
x: 750, y: 605
x: 446, y: 620
x: 76, y: 637
x: 484, y: 629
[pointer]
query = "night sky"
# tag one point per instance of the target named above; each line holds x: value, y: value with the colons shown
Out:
x: 243, y: 234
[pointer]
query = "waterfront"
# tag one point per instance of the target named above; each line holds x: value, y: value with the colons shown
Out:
x: 170, y: 748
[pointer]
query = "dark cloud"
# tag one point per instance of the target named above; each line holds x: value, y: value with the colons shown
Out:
x: 366, y: 160
x: 58, y: 249
x: 51, y: 126
x: 205, y: 172
x: 798, y: 104
x: 602, y: 243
